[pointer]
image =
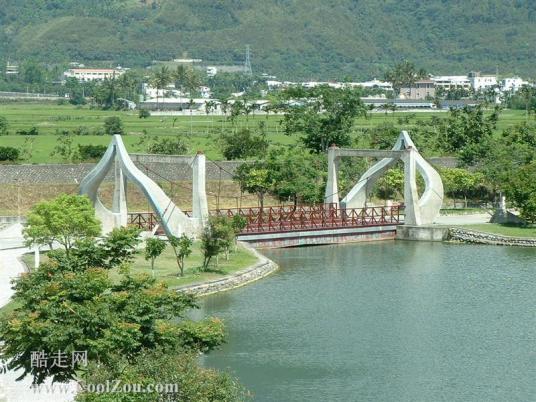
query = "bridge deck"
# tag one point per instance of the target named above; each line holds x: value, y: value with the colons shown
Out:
x: 283, y: 219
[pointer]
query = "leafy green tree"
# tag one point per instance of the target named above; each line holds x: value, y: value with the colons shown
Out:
x: 66, y: 307
x: 193, y: 383
x: 182, y: 247
x: 521, y: 190
x: 113, y: 125
x: 65, y: 220
x: 65, y: 147
x: 243, y: 144
x: 461, y: 182
x: 153, y: 248
x: 254, y: 178
x: 33, y: 73
x: 75, y: 90
x: 217, y: 237
x: 325, y: 117
x: 391, y: 184
x: 297, y: 175
x: 4, y: 126
x: 144, y: 114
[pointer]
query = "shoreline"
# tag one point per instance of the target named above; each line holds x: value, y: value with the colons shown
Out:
x: 262, y: 268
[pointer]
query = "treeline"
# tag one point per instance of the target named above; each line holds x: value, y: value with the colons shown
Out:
x: 301, y: 39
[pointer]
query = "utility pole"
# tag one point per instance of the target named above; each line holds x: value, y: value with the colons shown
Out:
x: 247, y: 63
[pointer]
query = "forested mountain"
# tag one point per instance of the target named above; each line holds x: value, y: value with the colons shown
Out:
x: 325, y: 39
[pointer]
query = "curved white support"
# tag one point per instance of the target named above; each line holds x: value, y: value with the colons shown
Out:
x: 418, y: 211
x: 173, y: 220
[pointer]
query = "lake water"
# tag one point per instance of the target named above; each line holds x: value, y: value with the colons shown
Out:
x: 385, y: 321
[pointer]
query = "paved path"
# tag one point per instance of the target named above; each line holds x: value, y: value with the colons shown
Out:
x: 10, y: 389
x: 463, y: 219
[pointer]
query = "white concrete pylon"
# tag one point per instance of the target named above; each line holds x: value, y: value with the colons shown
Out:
x: 172, y: 219
x: 332, y: 192
x: 419, y: 211
x: 199, y: 194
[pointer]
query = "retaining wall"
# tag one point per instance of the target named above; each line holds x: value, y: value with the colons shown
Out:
x: 471, y: 236
x: 170, y: 167
x: 421, y: 233
x: 262, y: 268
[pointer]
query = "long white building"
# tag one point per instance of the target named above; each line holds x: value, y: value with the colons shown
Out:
x: 93, y: 74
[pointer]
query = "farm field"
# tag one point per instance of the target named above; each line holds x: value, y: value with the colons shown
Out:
x: 201, y: 132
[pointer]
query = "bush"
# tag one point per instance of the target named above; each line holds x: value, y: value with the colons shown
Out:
x: 167, y: 146
x: 9, y: 154
x: 81, y: 131
x: 30, y: 131
x: 113, y: 125
x: 3, y: 125
x: 143, y: 114
x: 88, y: 152
x: 243, y: 144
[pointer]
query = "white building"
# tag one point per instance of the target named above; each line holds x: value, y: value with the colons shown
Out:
x: 448, y: 82
x: 480, y: 82
x: 212, y: 71
x: 93, y: 74
x: 512, y: 84
x: 387, y: 86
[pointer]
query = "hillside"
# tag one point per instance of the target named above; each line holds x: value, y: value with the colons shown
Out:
x: 291, y: 38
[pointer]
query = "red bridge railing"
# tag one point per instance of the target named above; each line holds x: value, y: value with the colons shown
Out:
x: 290, y: 218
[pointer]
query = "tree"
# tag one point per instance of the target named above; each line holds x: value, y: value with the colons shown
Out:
x: 153, y: 248
x: 325, y: 116
x: 192, y: 383
x: 66, y: 307
x: 4, y: 125
x: 527, y: 93
x: 182, y: 247
x: 113, y: 125
x: 461, y: 182
x: 65, y: 147
x: 218, y: 236
x: 297, y: 175
x: 243, y: 144
x: 254, y: 178
x: 160, y: 80
x: 521, y: 189
x: 403, y: 74
x: 65, y: 220
x: 91, y: 152
x: 391, y: 184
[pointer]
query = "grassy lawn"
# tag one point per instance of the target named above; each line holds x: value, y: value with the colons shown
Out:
x: 202, y: 132
x: 505, y: 230
x: 166, y: 269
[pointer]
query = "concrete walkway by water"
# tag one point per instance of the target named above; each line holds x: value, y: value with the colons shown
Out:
x: 462, y: 219
x: 11, y: 267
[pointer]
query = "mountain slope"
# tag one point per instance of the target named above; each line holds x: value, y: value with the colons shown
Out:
x: 291, y: 38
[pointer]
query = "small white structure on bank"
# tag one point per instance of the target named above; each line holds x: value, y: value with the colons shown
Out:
x: 172, y: 220
x: 418, y: 211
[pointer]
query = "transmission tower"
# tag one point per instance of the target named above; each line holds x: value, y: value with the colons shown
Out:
x: 247, y: 63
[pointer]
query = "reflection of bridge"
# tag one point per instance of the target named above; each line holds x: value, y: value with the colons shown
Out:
x: 302, y: 220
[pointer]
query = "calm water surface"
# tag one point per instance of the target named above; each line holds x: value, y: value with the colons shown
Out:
x: 386, y: 321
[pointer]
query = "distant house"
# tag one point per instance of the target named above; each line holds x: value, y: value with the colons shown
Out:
x: 512, y: 84
x: 448, y: 82
x: 422, y: 89
x: 12, y: 69
x: 93, y: 74
x: 480, y: 81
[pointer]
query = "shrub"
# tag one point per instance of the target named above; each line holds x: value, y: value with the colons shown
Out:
x: 143, y: 114
x: 88, y: 152
x: 30, y: 131
x: 9, y: 154
x: 113, y: 125
x: 81, y: 130
x: 167, y: 146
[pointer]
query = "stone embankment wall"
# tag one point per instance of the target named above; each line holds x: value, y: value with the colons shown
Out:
x: 470, y: 236
x: 262, y: 268
x: 157, y: 167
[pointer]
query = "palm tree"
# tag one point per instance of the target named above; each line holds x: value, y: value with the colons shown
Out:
x: 160, y: 80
